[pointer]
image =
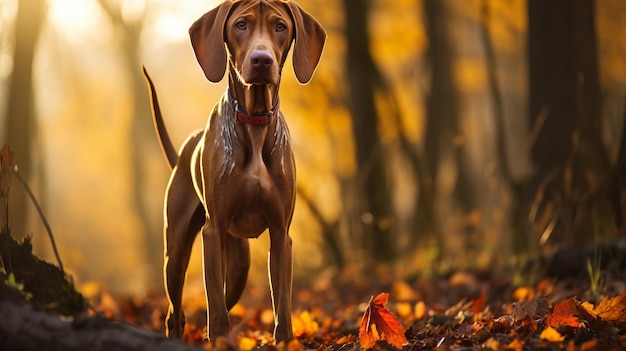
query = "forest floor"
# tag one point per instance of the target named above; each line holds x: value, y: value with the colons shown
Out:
x: 460, y: 310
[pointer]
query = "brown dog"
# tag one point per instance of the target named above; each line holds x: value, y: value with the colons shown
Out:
x: 236, y: 178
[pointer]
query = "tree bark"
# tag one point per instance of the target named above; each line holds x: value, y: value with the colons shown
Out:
x: 20, y: 114
x: 441, y: 112
x: 516, y: 187
x: 375, y: 213
x: 570, y: 184
x: 619, y: 179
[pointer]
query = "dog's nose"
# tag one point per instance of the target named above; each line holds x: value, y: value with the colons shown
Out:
x: 261, y: 59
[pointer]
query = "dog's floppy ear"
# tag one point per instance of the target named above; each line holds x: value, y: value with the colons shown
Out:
x: 310, y: 39
x: 207, y: 39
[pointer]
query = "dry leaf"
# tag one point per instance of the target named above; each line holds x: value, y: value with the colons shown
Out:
x: 379, y: 323
x: 246, y: 344
x: 345, y: 339
x: 516, y: 345
x: 403, y: 291
x: 420, y: 310
x: 479, y: 304
x: 550, y: 334
x: 6, y: 157
x: 524, y: 293
x: 565, y: 314
x: 404, y: 309
x: 612, y: 309
x: 6, y: 163
x: 492, y: 344
x: 589, y: 345
x: 524, y: 310
x: 295, y: 345
x: 239, y: 311
x: 304, y: 325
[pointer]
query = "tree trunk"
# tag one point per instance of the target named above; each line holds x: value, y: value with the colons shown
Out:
x: 20, y: 114
x: 441, y: 113
x: 570, y: 184
x: 375, y: 212
x: 143, y: 140
x: 518, y: 213
x: 619, y: 179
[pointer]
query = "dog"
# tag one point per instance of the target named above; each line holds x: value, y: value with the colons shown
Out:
x: 236, y: 178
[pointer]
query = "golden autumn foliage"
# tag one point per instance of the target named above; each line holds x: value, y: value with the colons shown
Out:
x: 86, y: 111
x: 89, y: 169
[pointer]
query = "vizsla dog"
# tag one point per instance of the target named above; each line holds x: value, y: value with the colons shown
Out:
x: 236, y: 178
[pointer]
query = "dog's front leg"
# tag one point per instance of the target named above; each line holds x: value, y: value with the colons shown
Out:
x: 280, y: 269
x: 213, y: 245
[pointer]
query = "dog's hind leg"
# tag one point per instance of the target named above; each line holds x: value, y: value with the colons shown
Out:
x: 184, y: 218
x: 237, y: 266
x: 179, y: 240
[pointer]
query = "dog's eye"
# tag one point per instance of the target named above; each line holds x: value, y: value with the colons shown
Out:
x: 241, y: 25
x: 280, y: 27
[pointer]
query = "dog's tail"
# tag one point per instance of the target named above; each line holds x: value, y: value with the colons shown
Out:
x: 164, y: 139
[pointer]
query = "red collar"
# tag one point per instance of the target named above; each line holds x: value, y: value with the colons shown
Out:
x: 260, y: 119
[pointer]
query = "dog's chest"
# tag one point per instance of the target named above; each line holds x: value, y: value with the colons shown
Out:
x: 253, y: 202
x: 253, y: 168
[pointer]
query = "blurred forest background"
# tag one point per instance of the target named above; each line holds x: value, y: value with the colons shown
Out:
x: 435, y: 134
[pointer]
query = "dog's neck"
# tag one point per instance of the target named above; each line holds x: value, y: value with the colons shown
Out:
x: 273, y: 140
x: 254, y: 99
x: 242, y: 116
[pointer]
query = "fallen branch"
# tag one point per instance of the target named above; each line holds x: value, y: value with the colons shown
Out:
x: 24, y: 328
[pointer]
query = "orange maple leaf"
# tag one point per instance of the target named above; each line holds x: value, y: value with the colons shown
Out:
x: 612, y: 309
x: 379, y: 323
x: 565, y: 314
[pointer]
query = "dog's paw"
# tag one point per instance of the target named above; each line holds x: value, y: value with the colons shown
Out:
x: 173, y: 329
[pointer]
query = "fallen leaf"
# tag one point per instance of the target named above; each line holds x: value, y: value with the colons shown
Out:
x: 193, y: 335
x: 420, y: 310
x: 612, y: 309
x: 379, y: 323
x: 345, y: 339
x: 552, y: 335
x: 6, y: 157
x: 492, y: 344
x: 565, y: 314
x: 479, y: 304
x: 588, y: 306
x: 524, y: 293
x: 589, y: 345
x: 404, y: 309
x: 238, y: 311
x: 303, y: 325
x: 571, y: 346
x: 267, y: 316
x: 6, y: 163
x: 527, y: 325
x: 295, y: 345
x: 524, y: 310
x: 403, y: 291
x: 245, y: 343
x: 220, y: 343
x: 516, y: 345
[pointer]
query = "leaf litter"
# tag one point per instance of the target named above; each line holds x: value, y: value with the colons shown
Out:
x: 485, y: 312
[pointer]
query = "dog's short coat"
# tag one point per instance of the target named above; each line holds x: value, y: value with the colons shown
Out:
x: 236, y: 178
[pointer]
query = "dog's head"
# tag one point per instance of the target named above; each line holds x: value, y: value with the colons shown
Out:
x: 255, y: 36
